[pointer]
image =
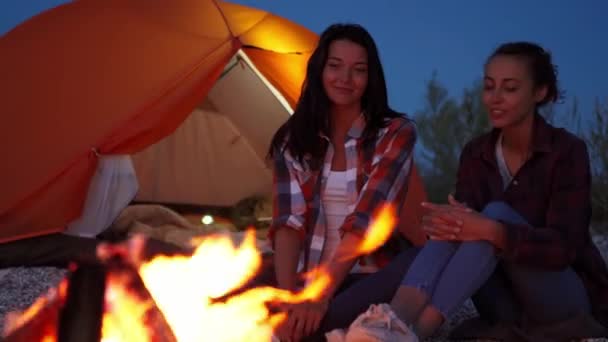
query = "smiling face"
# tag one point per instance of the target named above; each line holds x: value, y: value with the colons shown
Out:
x: 345, y: 73
x: 509, y: 92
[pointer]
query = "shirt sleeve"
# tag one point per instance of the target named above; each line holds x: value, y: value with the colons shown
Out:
x: 556, y: 245
x: 289, y: 205
x: 389, y: 175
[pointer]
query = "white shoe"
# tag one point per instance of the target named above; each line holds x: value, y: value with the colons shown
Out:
x: 379, y: 324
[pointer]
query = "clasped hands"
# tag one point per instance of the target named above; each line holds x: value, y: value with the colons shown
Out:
x: 454, y: 221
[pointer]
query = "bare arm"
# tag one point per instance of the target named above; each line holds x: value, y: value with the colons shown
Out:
x: 343, y: 261
x: 496, y: 234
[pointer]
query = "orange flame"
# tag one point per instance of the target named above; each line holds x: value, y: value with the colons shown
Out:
x: 184, y: 288
x: 124, y: 314
x: 379, y: 231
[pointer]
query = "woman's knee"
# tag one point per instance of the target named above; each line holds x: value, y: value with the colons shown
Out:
x: 479, y: 249
x: 496, y: 208
x: 439, y: 247
x: 434, y: 255
x: 502, y: 211
x: 429, y: 264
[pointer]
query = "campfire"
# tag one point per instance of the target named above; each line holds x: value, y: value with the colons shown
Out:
x: 199, y: 297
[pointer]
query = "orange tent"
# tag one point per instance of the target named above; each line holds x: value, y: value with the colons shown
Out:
x: 116, y: 76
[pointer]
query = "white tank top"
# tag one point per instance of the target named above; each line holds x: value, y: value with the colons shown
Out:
x: 335, y: 203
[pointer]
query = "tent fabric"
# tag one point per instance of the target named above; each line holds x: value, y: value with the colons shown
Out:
x: 113, y: 75
x: 217, y: 157
x: 117, y: 76
x: 285, y: 72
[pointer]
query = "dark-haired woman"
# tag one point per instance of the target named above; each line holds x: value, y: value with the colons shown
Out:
x: 517, y: 228
x: 341, y: 155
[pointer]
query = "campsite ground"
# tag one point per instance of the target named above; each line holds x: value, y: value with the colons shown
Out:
x: 21, y: 286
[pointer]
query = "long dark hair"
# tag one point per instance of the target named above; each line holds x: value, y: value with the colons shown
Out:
x: 300, y: 134
x: 540, y: 65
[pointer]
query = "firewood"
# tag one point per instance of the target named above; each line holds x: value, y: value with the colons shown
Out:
x: 80, y: 320
x: 40, y: 319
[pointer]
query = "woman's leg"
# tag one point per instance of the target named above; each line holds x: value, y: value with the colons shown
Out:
x: 495, y: 300
x: 378, y: 287
x: 542, y: 296
x: 547, y: 296
x: 468, y: 269
x: 497, y: 310
x: 420, y: 281
x: 470, y: 266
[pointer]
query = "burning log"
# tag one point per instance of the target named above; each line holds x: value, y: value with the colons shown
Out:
x: 95, y: 302
x: 81, y: 317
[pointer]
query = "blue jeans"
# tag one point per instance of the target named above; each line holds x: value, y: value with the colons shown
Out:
x: 450, y: 272
x: 514, y: 292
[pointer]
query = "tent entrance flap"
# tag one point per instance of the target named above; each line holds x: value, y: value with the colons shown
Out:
x: 218, y: 155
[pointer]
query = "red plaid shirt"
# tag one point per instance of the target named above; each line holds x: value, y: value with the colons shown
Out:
x: 376, y: 173
x: 552, y: 192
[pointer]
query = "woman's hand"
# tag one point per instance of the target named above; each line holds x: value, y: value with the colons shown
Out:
x: 455, y: 222
x: 453, y: 202
x: 303, y: 319
x: 439, y: 223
